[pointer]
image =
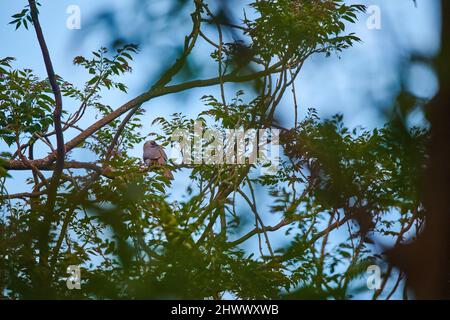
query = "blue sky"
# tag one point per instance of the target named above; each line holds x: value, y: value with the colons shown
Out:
x: 359, y: 83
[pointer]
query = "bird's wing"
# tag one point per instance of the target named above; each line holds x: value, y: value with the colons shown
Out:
x: 162, y: 159
x: 163, y: 153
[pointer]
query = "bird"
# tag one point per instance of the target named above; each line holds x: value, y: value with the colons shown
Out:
x: 154, y: 154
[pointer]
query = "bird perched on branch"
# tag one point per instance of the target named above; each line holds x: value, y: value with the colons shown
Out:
x: 154, y: 155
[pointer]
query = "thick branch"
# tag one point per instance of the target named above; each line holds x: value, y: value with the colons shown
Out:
x: 59, y: 152
x: 49, y: 166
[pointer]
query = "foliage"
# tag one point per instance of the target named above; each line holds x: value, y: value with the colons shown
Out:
x: 135, y: 239
x: 301, y: 26
x: 25, y: 104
